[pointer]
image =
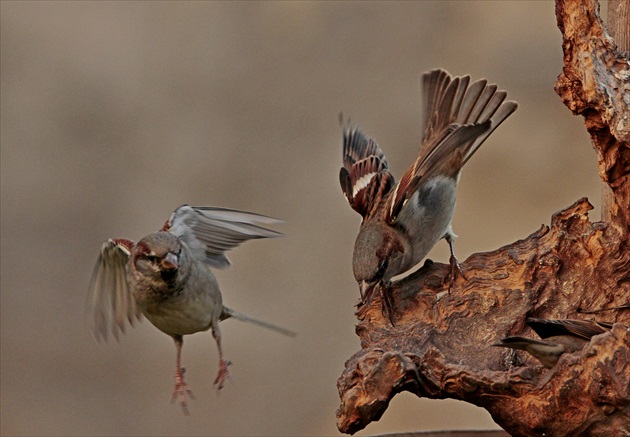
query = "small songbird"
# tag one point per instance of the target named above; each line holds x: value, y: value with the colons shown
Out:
x: 558, y: 337
x: 166, y: 277
x: 403, y: 221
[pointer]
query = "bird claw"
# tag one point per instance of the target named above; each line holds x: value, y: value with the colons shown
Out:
x: 181, y: 390
x: 387, y: 306
x: 222, y: 374
x: 456, y: 269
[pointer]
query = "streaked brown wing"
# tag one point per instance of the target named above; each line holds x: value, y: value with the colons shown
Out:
x: 110, y: 303
x: 580, y: 328
x: 458, y: 119
x: 365, y: 179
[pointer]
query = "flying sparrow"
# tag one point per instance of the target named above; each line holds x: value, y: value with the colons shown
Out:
x: 166, y: 277
x: 558, y: 337
x: 403, y: 221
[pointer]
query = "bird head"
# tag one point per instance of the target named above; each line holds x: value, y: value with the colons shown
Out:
x: 159, y: 257
x: 379, y: 254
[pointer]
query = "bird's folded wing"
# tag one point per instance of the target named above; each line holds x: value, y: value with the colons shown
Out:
x: 580, y: 328
x: 210, y: 232
x: 110, y: 303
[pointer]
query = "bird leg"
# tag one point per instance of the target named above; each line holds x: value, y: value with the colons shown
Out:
x: 181, y: 388
x: 367, y: 296
x: 387, y: 306
x: 455, y: 267
x: 224, y: 371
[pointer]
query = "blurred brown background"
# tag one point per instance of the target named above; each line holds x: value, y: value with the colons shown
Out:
x: 113, y: 114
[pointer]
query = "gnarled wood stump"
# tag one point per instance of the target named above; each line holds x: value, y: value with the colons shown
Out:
x: 441, y: 344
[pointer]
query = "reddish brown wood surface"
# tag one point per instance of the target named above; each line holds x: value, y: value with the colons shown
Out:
x: 441, y: 344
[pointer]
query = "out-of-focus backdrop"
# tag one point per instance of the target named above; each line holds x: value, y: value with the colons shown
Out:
x: 115, y: 113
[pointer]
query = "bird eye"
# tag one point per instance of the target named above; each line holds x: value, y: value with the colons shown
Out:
x: 151, y: 258
x: 381, y: 268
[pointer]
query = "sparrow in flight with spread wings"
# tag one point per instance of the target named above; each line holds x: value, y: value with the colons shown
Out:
x: 403, y: 220
x: 166, y: 277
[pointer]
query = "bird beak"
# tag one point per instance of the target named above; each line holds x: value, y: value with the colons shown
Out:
x: 365, y: 288
x: 170, y: 262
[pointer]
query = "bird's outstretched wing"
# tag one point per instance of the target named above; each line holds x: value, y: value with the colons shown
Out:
x: 458, y: 119
x: 210, y: 231
x: 364, y: 177
x: 110, y: 303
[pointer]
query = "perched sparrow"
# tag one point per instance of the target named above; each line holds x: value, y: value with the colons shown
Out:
x: 403, y: 221
x: 559, y: 336
x: 166, y: 277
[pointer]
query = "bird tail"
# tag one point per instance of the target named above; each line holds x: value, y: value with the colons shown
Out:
x: 227, y: 313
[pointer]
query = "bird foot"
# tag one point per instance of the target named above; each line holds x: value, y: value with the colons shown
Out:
x: 387, y: 306
x: 181, y: 390
x: 456, y: 270
x: 222, y: 374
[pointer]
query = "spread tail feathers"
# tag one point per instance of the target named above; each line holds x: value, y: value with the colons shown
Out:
x: 227, y: 313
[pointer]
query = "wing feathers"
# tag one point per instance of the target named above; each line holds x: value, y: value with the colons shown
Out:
x: 458, y: 119
x: 580, y: 328
x: 110, y: 303
x: 364, y: 178
x: 210, y: 232
x: 469, y: 102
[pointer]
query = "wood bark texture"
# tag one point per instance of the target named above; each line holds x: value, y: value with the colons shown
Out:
x: 441, y: 345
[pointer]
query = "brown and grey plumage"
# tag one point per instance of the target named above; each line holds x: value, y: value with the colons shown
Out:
x: 403, y: 220
x: 166, y: 277
x: 558, y: 337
